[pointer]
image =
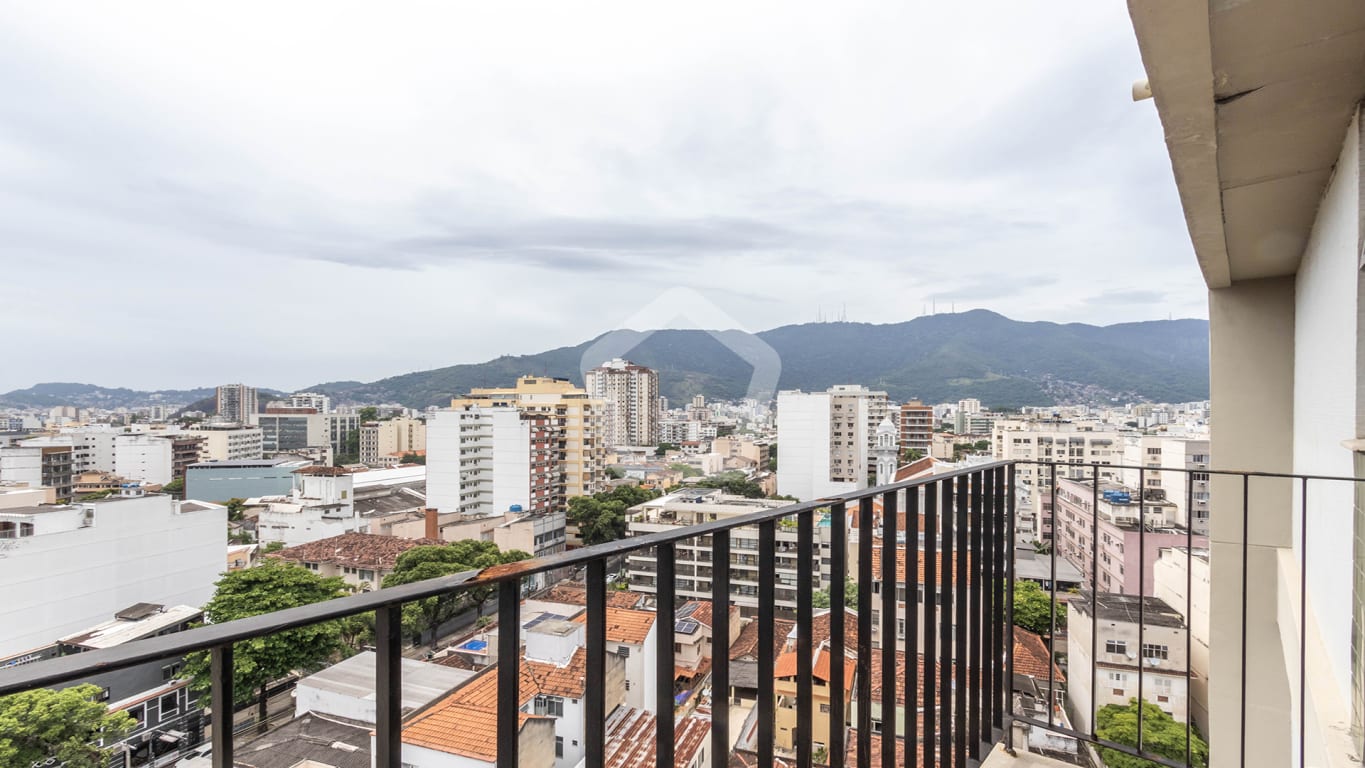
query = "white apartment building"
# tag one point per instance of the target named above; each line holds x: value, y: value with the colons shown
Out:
x: 1182, y: 583
x: 486, y: 460
x: 228, y: 442
x: 392, y: 437
x: 142, y: 457
x: 1158, y: 657
x: 69, y: 567
x: 1157, y: 452
x: 693, y: 564
x: 825, y: 440
x: 631, y: 394
x: 321, y: 505
x: 287, y: 432
x: 315, y: 400
x: 578, y: 417
x: 237, y: 402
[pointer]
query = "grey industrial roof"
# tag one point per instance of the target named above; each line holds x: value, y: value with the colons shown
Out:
x: 422, y: 682
x: 310, y: 737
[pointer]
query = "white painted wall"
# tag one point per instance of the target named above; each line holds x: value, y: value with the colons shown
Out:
x: 443, y: 461
x: 67, y: 577
x: 1325, y: 388
x: 803, y: 437
x: 511, y: 460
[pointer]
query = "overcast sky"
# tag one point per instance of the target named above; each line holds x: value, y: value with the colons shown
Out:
x: 195, y: 193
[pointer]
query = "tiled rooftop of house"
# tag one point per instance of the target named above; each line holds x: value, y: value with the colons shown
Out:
x: 577, y: 594
x: 625, y: 626
x: 901, y: 561
x: 851, y: 753
x: 568, y: 681
x: 820, y: 630
x: 746, y: 645
x: 357, y: 550
x: 786, y: 666
x: 875, y: 677
x: 630, y: 739
x: 1031, y: 656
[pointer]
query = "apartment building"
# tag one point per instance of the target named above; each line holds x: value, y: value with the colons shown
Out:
x: 540, y: 535
x: 579, y: 417
x: 1071, y: 442
x: 320, y: 504
x: 142, y: 457
x: 227, y: 441
x: 237, y: 402
x: 1125, y: 528
x: 1182, y: 577
x: 362, y: 560
x: 1188, y: 491
x: 241, y: 478
x: 392, y: 437
x: 693, y: 563
x: 315, y: 400
x: 489, y: 459
x: 631, y: 395
x: 72, y: 566
x: 286, y: 430
x: 1155, y: 659
x: 826, y: 439
x: 917, y: 427
x: 52, y: 466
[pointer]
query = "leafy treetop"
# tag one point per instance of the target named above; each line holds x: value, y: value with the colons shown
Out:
x: 63, y: 725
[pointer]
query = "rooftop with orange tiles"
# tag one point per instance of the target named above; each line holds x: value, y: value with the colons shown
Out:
x: 625, y: 625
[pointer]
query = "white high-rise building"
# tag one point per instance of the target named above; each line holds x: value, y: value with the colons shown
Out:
x: 488, y: 460
x: 632, y: 395
x: 316, y: 400
x: 825, y: 440
x: 1189, y: 491
x: 237, y: 402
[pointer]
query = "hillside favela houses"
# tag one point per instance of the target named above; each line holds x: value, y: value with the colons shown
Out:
x: 597, y: 563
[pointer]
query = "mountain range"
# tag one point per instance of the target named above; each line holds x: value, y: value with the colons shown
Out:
x: 943, y: 357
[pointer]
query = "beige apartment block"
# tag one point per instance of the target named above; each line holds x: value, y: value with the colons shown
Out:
x: 379, y: 439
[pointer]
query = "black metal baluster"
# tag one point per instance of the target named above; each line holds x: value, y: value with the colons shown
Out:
x: 664, y: 667
x: 1003, y: 633
x: 594, y: 694
x: 388, y: 687
x: 838, y: 556
x: 864, y: 673
x: 961, y: 627
x: 1303, y: 626
x: 976, y: 570
x: 1008, y: 588
x: 945, y: 627
x: 805, y: 544
x: 930, y: 608
x: 890, y: 622
x: 720, y: 653
x: 1189, y: 612
x: 1094, y: 598
x: 221, y: 700
x: 767, y: 578
x: 1052, y: 601
x: 1246, y: 543
x: 509, y: 672
x: 1142, y: 603
x: 987, y: 616
x: 914, y: 669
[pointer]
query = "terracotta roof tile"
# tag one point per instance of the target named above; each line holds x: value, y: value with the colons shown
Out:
x: 700, y: 611
x: 370, y: 551
x: 567, y: 682
x: 631, y: 739
x: 746, y: 645
x: 1031, y: 656
x: 920, y: 561
x: 786, y: 666
x: 851, y: 753
x: 465, y: 722
x: 902, y: 671
x: 577, y: 594
x: 624, y: 625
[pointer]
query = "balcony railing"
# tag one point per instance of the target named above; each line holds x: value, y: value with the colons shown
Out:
x: 959, y: 701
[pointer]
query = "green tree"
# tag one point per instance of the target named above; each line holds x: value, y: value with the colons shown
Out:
x: 96, y: 496
x: 412, y: 458
x: 368, y: 413
x: 911, y: 454
x: 350, y: 453
x: 274, y: 546
x: 982, y: 445
x: 1033, y: 608
x: 41, y: 724
x: 175, y: 487
x: 436, y: 560
x: 664, y: 448
x: 1161, y: 735
x: 823, y: 599
x: 687, y: 470
x: 234, y: 508
x: 602, y: 517
x: 615, y: 473
x: 734, y: 483
x: 274, y: 585
x: 772, y: 457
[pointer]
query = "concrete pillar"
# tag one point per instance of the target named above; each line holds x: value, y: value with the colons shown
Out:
x: 1251, y: 326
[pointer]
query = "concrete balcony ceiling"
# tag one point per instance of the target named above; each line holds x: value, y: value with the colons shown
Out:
x: 1254, y: 97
